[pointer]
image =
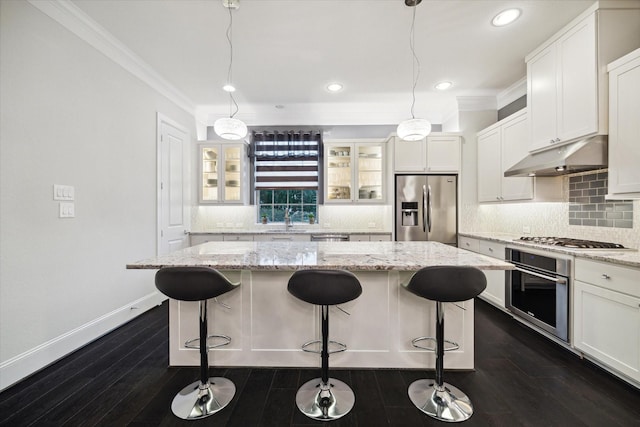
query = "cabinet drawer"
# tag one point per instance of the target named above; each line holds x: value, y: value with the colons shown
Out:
x: 468, y: 243
x: 492, y: 249
x: 238, y: 237
x: 608, y: 276
x: 380, y: 237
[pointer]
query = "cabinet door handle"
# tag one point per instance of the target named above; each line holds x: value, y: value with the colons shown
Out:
x: 557, y: 140
x: 606, y: 276
x: 490, y: 249
x: 551, y: 141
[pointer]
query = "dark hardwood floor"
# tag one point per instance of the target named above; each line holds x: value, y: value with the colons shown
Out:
x: 122, y: 379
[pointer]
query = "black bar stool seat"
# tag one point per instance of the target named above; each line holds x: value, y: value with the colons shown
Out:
x: 436, y: 398
x: 206, y: 396
x: 324, y: 398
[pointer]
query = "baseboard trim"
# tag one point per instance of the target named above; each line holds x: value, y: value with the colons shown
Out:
x: 31, y: 361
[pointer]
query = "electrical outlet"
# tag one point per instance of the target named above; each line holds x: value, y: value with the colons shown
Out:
x: 526, y: 229
x: 327, y: 225
x: 372, y: 225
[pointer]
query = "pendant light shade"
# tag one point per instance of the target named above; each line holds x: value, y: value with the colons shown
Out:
x: 413, y: 129
x: 230, y: 128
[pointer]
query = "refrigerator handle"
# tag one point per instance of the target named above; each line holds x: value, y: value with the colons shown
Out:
x: 430, y: 209
x: 424, y: 208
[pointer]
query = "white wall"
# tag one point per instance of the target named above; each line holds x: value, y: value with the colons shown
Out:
x: 69, y: 115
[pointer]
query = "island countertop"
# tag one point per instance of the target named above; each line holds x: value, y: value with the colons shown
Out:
x: 354, y: 256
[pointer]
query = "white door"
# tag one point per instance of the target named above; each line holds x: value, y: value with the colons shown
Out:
x: 172, y: 187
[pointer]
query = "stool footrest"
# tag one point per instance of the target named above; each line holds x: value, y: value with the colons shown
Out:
x: 195, y: 343
x: 341, y: 347
x: 452, y: 345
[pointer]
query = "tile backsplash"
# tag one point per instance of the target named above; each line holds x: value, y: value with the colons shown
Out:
x: 588, y: 207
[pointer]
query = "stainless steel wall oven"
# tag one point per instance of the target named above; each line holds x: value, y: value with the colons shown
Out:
x: 538, y: 290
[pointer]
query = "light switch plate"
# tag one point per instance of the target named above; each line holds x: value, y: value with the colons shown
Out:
x: 67, y: 210
x: 63, y: 192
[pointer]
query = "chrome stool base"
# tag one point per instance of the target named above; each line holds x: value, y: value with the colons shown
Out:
x: 199, y: 400
x: 325, y: 402
x: 445, y: 403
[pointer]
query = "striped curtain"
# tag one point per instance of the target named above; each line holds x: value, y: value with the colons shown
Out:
x: 286, y: 160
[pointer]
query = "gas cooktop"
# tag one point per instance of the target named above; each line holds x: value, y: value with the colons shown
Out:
x: 569, y: 243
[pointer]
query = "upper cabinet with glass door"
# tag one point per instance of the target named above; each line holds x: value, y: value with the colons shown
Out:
x: 222, y: 173
x: 354, y: 172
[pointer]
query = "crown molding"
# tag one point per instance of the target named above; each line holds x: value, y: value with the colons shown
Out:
x: 476, y: 103
x: 79, y: 23
x: 513, y: 92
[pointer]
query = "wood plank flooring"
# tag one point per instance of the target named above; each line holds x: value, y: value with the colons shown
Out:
x: 122, y: 379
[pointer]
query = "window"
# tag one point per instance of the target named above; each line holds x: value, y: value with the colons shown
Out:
x: 286, y: 170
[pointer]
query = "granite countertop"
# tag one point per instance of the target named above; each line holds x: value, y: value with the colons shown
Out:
x: 630, y: 258
x: 354, y: 256
x: 293, y: 230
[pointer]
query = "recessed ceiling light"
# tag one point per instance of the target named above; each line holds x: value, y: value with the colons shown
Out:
x: 229, y: 88
x: 279, y: 107
x: 505, y: 17
x: 443, y: 85
x: 334, y: 87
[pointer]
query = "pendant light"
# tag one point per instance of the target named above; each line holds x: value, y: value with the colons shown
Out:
x: 413, y: 129
x: 229, y: 127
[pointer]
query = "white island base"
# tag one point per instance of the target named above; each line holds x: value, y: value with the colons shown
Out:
x: 268, y: 325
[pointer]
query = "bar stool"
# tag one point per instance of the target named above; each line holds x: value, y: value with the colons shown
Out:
x: 436, y: 398
x: 208, y: 395
x: 324, y: 398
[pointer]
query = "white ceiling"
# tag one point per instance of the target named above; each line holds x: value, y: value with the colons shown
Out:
x: 286, y: 51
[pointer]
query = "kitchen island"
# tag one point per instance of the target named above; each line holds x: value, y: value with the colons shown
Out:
x: 268, y: 325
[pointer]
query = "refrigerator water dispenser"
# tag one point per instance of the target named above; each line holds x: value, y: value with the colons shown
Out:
x: 409, y: 214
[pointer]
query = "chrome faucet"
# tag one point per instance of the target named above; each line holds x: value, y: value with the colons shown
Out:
x: 288, y: 215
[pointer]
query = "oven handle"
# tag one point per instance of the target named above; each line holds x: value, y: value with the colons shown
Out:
x: 560, y: 280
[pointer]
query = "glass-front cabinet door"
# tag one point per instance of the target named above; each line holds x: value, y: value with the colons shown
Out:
x: 232, y: 191
x: 369, y: 176
x: 339, y: 163
x: 209, y: 177
x: 355, y: 172
x: 221, y: 173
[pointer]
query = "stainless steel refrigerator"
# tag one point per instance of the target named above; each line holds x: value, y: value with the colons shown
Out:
x: 426, y: 208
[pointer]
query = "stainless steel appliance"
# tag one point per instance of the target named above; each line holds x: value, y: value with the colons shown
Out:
x: 569, y: 243
x: 426, y: 208
x: 538, y: 290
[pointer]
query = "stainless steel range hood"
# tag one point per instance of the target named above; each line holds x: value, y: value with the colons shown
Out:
x: 582, y: 155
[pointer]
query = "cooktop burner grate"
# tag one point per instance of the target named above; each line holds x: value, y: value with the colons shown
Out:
x: 571, y: 243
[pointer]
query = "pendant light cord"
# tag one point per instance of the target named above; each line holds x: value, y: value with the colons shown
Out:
x: 412, y: 45
x: 232, y: 100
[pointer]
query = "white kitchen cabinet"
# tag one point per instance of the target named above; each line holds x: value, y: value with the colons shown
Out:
x: 375, y: 237
x: 354, y: 172
x: 624, y: 127
x: 495, y: 291
x: 566, y: 81
x: 281, y: 237
x: 434, y: 154
x: 606, y: 315
x: 500, y: 146
x: 240, y: 237
x: 222, y: 173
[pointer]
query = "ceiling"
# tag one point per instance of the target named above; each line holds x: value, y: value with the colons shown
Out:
x: 286, y: 51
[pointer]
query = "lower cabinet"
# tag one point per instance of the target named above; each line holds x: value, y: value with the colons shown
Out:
x: 606, y: 315
x: 494, y: 293
x: 382, y: 237
x: 281, y: 237
x: 197, y: 239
